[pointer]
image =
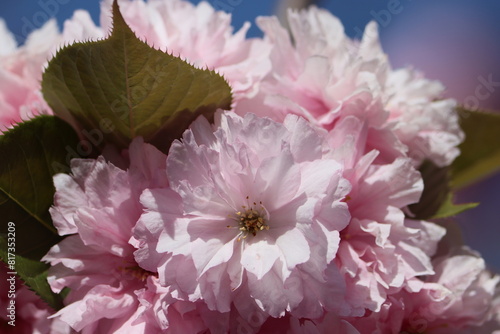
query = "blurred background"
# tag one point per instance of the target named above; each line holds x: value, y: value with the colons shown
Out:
x: 454, y: 41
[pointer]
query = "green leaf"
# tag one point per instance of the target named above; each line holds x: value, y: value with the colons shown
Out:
x: 32, y: 153
x: 437, y: 198
x: 480, y: 152
x: 33, y: 273
x: 121, y: 88
x: 449, y: 209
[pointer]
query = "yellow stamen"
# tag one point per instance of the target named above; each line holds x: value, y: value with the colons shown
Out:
x: 251, y: 220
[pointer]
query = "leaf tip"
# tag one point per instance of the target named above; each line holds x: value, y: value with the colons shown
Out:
x: 118, y: 22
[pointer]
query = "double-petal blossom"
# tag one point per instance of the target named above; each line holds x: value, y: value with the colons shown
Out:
x: 252, y: 206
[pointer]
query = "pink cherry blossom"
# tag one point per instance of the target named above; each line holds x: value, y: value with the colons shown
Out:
x: 21, y: 67
x: 253, y: 208
x: 99, y: 206
x: 422, y: 119
x: 21, y: 73
x: 456, y: 299
x: 381, y: 250
x: 289, y: 215
x: 458, y: 296
x: 325, y: 76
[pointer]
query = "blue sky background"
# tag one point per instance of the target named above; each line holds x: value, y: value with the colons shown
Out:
x: 455, y: 41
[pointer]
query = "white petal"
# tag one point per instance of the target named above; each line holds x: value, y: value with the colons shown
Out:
x: 259, y: 257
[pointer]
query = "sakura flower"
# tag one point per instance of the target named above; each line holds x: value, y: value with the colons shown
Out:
x: 340, y: 85
x: 456, y: 299
x: 99, y: 206
x: 422, y: 119
x: 21, y: 67
x: 253, y: 213
x: 21, y: 73
x: 381, y: 251
x: 324, y: 76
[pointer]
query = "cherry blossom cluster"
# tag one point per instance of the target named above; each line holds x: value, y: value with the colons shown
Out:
x: 289, y: 214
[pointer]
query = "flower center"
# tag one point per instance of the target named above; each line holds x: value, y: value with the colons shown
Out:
x: 251, y: 219
x: 136, y: 272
